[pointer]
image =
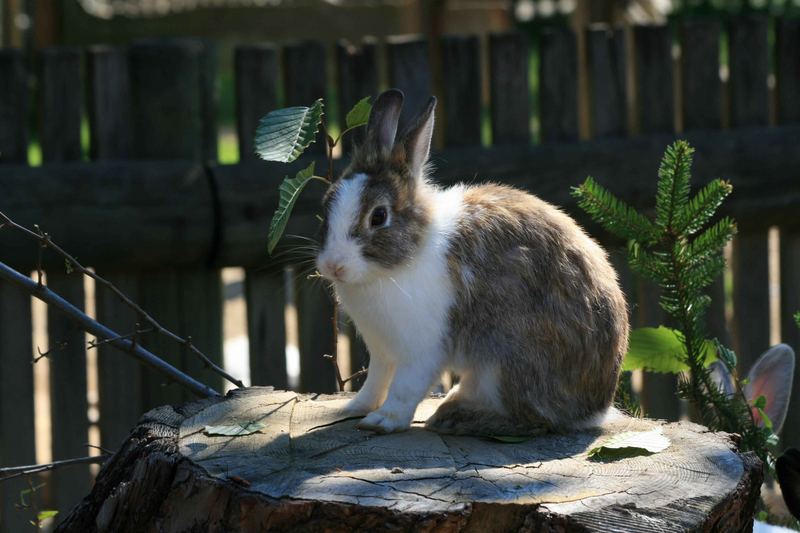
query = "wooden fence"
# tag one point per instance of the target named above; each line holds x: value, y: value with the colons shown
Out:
x: 151, y: 210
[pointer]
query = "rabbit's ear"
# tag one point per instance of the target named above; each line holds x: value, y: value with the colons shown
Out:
x: 721, y: 377
x: 771, y: 377
x: 382, y: 124
x: 417, y: 139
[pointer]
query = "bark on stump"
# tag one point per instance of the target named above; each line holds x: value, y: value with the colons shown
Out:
x: 310, y: 469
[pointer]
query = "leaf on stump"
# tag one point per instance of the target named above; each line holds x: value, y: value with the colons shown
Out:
x: 630, y: 444
x: 236, y: 430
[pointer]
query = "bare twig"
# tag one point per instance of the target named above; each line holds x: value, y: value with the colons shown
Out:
x: 59, y: 346
x: 99, y: 330
x: 19, y: 471
x: 45, y: 242
x: 96, y: 343
x: 104, y: 450
x: 362, y: 372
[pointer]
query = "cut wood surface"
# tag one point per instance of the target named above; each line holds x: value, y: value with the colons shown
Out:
x: 310, y: 469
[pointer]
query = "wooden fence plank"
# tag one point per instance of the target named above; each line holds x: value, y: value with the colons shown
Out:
x: 13, y: 108
x: 702, y: 95
x: 509, y: 92
x: 558, y: 85
x: 17, y: 440
x: 256, y: 76
x: 170, y: 93
x: 653, y: 77
x: 315, y: 335
x: 358, y: 77
x: 266, y: 327
x: 749, y: 66
x: 701, y: 85
x: 607, y: 81
x: 409, y: 70
x: 119, y: 376
x: 60, y: 133
x: 655, y: 108
x: 462, y: 82
x: 305, y: 81
x: 787, y: 70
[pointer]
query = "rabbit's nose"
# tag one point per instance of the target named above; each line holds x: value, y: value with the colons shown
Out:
x: 336, y: 269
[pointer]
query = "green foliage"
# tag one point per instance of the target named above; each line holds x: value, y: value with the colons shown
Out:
x: 612, y: 213
x: 290, y: 191
x: 662, y: 350
x: 284, y: 134
x: 797, y: 318
x: 683, y: 255
x: 47, y: 513
x: 359, y: 115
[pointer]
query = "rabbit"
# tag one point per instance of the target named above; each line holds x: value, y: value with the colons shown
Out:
x: 487, y: 281
x: 771, y: 376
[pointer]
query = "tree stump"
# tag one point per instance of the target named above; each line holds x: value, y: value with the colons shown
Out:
x: 310, y: 469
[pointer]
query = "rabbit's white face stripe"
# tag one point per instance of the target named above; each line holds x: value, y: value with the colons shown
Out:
x: 346, y: 207
x: 341, y: 258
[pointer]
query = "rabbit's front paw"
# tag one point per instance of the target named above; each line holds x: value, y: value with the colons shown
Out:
x: 384, y: 422
x: 359, y: 407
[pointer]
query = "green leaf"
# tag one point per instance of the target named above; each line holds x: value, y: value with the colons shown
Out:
x: 359, y: 115
x: 764, y: 418
x: 290, y: 190
x: 236, y: 430
x: 726, y: 355
x: 662, y: 350
x: 631, y: 444
x: 760, y: 402
x: 509, y: 439
x: 282, y: 135
x: 797, y: 318
x: 44, y: 515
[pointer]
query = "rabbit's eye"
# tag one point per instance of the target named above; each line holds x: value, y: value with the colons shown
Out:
x: 379, y: 217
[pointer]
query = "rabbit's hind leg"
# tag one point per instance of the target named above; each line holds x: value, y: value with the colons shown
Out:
x: 473, y: 407
x: 461, y: 417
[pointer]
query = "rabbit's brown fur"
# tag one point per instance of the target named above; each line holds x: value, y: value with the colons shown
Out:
x: 537, y: 299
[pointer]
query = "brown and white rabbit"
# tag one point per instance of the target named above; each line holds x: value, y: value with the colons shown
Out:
x: 488, y: 281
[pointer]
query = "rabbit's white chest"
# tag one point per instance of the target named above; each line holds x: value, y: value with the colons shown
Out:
x: 404, y: 315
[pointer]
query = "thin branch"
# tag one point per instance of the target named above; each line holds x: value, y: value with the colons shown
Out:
x: 99, y: 330
x: 45, y: 242
x: 362, y: 372
x: 19, y: 471
x: 95, y: 343
x: 59, y: 346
